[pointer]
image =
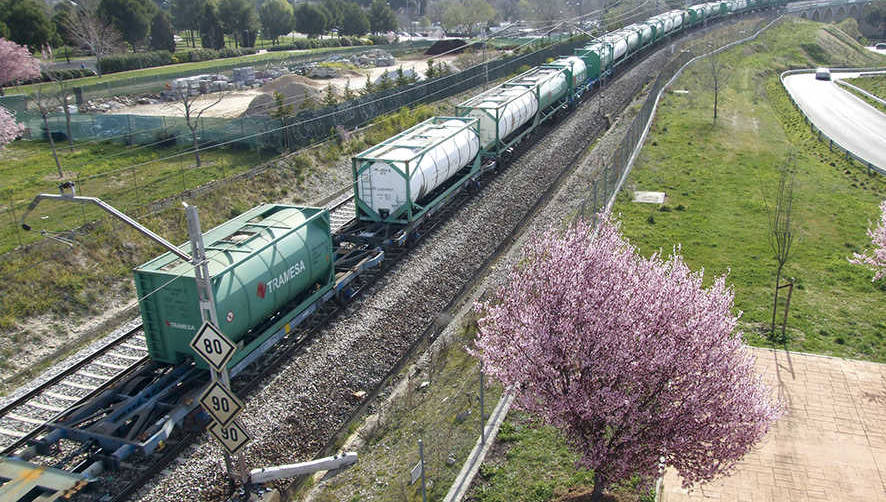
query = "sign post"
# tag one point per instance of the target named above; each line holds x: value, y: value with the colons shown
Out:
x: 217, y: 350
x: 419, y: 471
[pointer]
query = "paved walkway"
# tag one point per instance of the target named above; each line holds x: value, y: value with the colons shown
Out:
x: 830, y: 445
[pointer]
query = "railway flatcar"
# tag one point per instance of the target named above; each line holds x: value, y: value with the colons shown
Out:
x: 398, y: 180
x: 270, y: 260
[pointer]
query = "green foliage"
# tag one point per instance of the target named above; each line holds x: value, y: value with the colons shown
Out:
x: 334, y: 10
x: 212, y: 35
x: 123, y: 62
x: 239, y: 19
x: 716, y: 173
x: 329, y: 97
x: 276, y: 18
x: 186, y: 13
x: 874, y: 14
x: 381, y: 17
x: 348, y: 93
x: 161, y: 33
x: 536, y: 464
x: 319, y: 43
x: 369, y: 87
x: 392, y: 124
x: 310, y: 19
x: 850, y: 27
x: 282, y: 110
x: 874, y: 85
x: 131, y: 17
x: 430, y: 71
x: 467, y: 15
x: 354, y: 20
x: 818, y: 55
x: 385, y: 82
x: 27, y: 23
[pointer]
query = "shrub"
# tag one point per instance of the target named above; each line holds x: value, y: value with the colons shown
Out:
x: 316, y: 43
x: 123, y: 62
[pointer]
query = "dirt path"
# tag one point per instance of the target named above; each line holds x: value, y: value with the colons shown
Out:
x: 235, y: 103
x: 232, y: 105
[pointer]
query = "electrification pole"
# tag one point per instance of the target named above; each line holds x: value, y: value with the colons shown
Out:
x: 205, y: 299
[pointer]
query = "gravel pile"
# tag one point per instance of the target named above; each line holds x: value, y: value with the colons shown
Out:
x: 298, y: 410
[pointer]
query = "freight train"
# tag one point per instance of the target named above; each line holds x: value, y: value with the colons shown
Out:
x: 277, y: 262
x: 274, y: 266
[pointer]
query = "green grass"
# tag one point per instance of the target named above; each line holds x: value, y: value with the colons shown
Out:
x: 715, y: 174
x: 127, y: 177
x: 874, y: 85
x: 174, y: 70
x: 533, y: 463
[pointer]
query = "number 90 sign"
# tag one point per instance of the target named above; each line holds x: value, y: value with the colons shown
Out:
x: 220, y: 403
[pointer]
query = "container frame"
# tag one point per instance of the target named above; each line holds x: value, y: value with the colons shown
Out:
x: 411, y: 210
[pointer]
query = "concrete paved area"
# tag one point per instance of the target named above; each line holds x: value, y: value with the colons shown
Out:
x: 830, y: 445
x: 850, y: 121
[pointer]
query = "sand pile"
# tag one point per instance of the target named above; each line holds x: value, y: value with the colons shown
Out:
x: 294, y: 88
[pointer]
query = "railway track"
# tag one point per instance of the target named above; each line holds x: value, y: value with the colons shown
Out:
x: 26, y: 417
x: 341, y: 211
x: 23, y: 419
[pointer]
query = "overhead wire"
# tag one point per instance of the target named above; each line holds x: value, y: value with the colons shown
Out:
x: 550, y: 26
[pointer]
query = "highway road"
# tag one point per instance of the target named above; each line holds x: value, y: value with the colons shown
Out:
x: 851, y: 122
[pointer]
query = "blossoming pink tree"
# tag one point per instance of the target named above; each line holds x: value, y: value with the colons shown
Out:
x: 16, y: 63
x: 9, y: 128
x: 637, y: 363
x: 877, y: 257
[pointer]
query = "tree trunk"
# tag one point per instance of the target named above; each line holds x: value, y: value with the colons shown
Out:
x: 599, y: 484
x: 196, y: 145
x: 775, y: 302
x: 52, y: 145
x: 716, y: 95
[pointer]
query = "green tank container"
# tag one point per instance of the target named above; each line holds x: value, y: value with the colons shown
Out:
x: 271, y: 259
x: 596, y: 57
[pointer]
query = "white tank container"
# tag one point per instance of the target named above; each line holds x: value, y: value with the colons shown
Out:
x: 508, y: 107
x: 632, y: 36
x: 645, y: 33
x: 619, y: 45
x: 405, y: 168
x: 576, y: 65
x: 677, y: 19
x: 657, y: 23
x: 604, y: 53
x: 551, y: 83
x: 699, y: 10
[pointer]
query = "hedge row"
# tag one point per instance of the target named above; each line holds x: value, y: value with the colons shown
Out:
x: 124, y: 62
x: 317, y: 43
x: 60, y: 75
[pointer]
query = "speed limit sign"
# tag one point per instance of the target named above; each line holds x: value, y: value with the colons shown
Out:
x: 213, y: 346
x: 232, y: 437
x: 221, y: 404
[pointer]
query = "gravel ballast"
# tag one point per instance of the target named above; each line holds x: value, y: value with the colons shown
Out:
x: 298, y: 410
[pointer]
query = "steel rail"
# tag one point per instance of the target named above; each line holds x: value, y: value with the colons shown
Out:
x: 41, y: 389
